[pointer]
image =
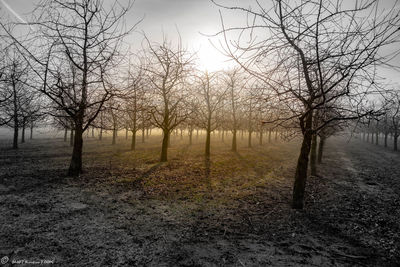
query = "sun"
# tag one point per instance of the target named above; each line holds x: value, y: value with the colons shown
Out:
x: 209, y: 58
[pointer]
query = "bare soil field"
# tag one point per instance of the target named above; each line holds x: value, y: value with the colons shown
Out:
x: 127, y: 209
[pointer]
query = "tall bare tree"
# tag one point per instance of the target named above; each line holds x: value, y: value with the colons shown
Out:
x: 15, y: 92
x: 211, y: 92
x: 234, y: 81
x: 74, y: 48
x: 168, y: 68
x: 314, y: 53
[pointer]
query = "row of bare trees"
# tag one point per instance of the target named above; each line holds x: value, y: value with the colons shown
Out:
x: 20, y: 104
x: 386, y: 124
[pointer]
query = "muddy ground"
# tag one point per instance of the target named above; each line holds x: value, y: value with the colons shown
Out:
x: 129, y: 210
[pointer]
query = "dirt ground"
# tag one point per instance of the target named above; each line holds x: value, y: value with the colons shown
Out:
x: 234, y: 210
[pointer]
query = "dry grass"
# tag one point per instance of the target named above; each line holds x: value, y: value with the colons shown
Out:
x: 231, y: 210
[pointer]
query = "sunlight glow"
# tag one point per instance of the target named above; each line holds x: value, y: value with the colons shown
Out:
x: 209, y: 58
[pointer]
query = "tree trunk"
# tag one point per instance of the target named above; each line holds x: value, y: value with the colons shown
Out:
x: 133, y: 143
x: 164, y: 148
x: 197, y: 133
x: 208, y: 142
x: 114, y: 136
x: 65, y: 134
x: 92, y: 132
x: 71, y: 138
x: 302, y: 165
x: 386, y: 138
x: 234, y: 143
x: 126, y: 134
x: 249, y: 141
x: 377, y: 138
x: 16, y: 122
x: 395, y: 137
x: 31, y: 133
x: 101, y: 133
x: 269, y: 135
x: 313, y: 155
x: 261, y: 137
x: 75, y: 167
x: 23, y: 131
x: 15, y: 140
x: 276, y: 135
x: 321, y: 149
x: 143, y: 133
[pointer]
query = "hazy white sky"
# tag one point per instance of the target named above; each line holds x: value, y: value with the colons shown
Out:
x: 191, y: 17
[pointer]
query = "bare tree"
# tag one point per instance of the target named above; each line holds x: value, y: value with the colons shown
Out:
x: 235, y: 84
x: 15, y: 92
x: 74, y: 49
x: 211, y: 93
x: 315, y: 53
x: 168, y: 68
x: 394, y: 117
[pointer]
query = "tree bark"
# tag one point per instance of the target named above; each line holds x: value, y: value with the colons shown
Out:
x: 208, y: 142
x: 114, y: 135
x: 65, y: 134
x: 164, y: 147
x: 133, y: 143
x: 31, y: 133
x: 269, y: 135
x: 16, y: 122
x: 190, y: 136
x: 71, y: 139
x: 321, y: 149
x: 23, y: 131
x: 313, y: 155
x: 395, y: 137
x: 234, y: 142
x: 75, y: 167
x: 261, y: 137
x: 302, y: 165
x: 249, y: 141
x: 386, y: 138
